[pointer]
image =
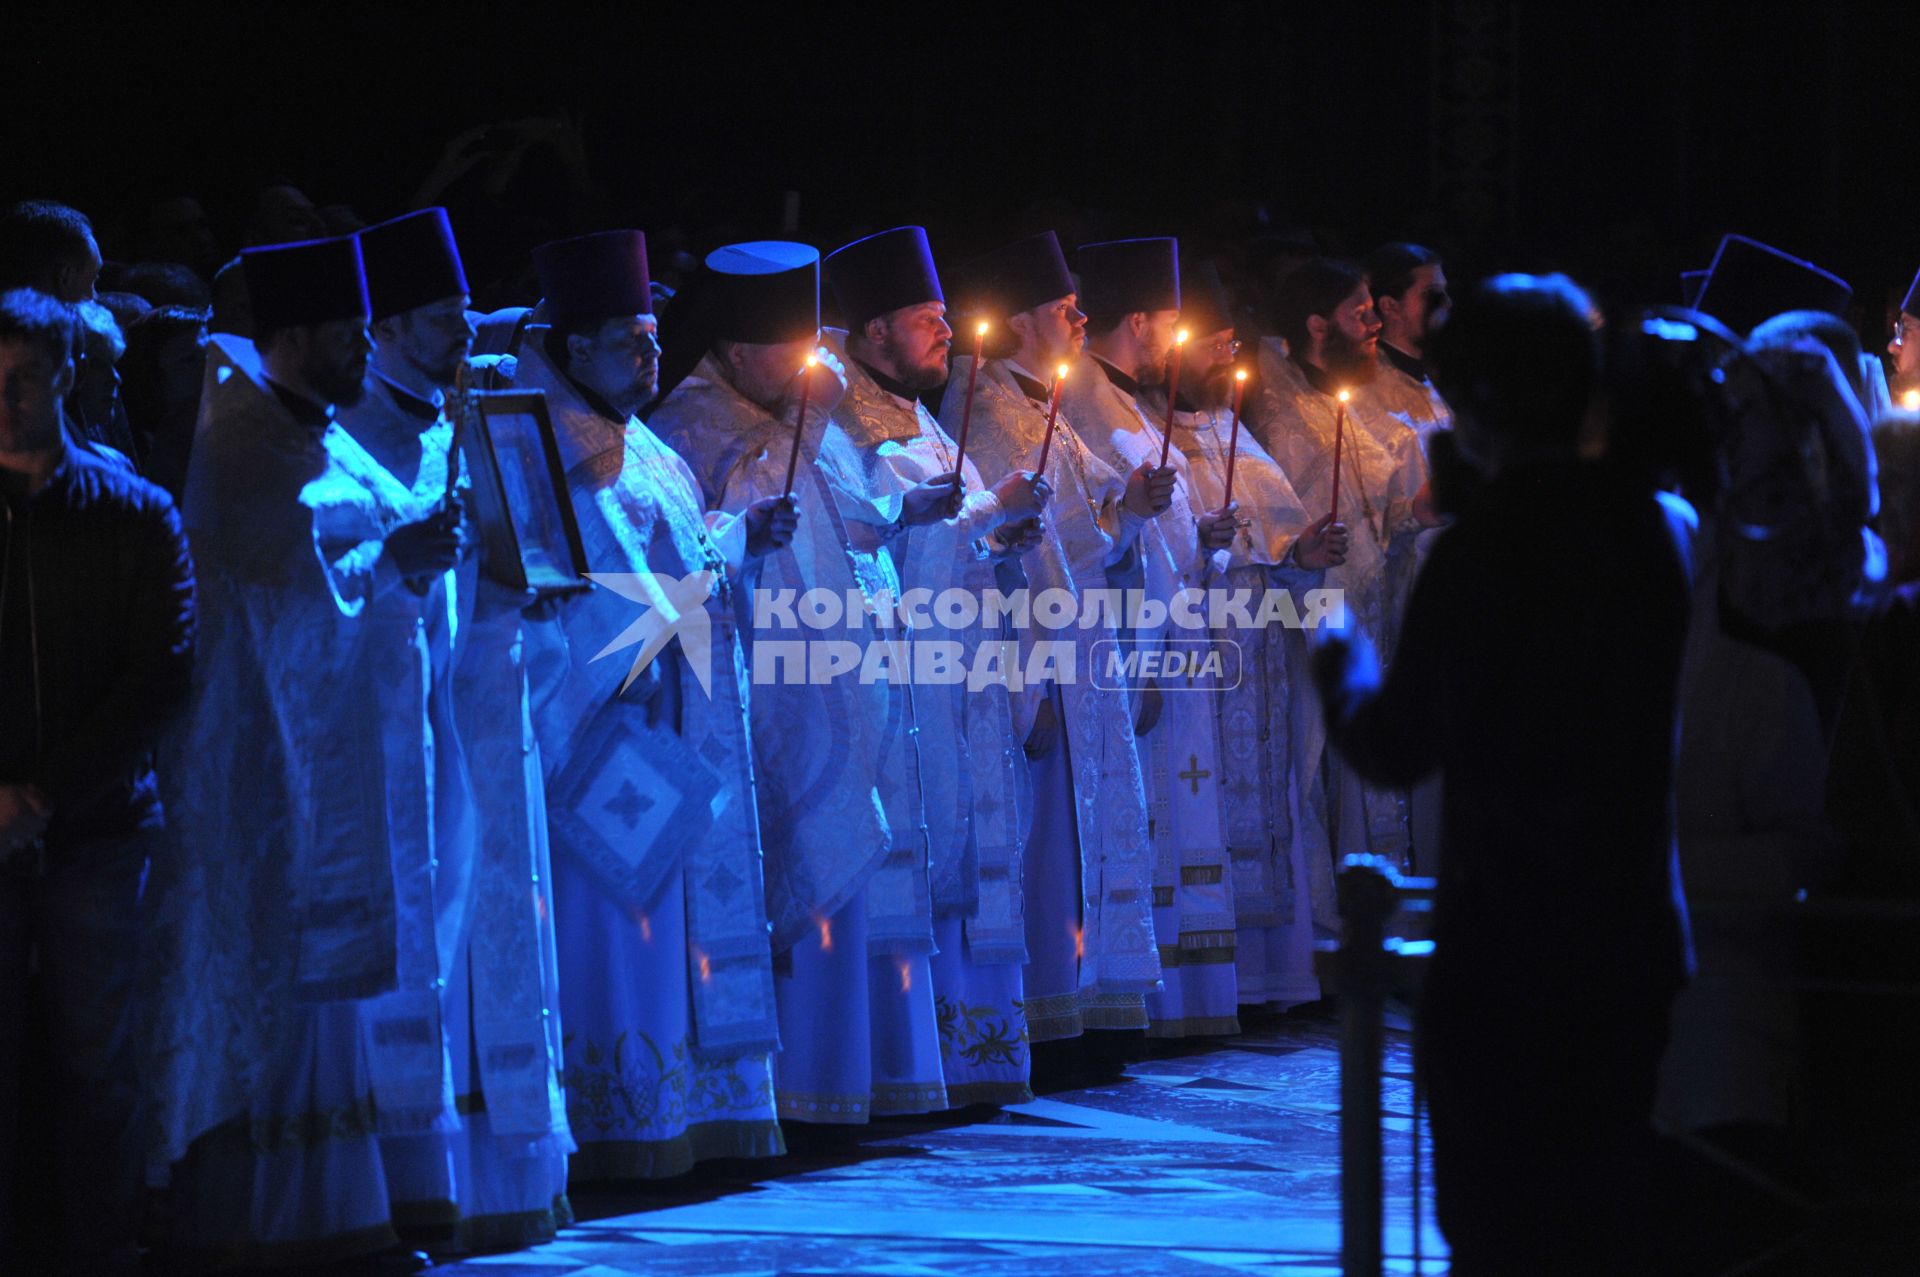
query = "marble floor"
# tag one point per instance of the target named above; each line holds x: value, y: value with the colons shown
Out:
x: 1222, y: 1158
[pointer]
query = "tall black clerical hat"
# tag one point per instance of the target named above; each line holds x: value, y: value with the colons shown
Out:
x: 412, y: 260
x: 1019, y: 276
x: 308, y: 282
x: 882, y: 273
x: 592, y: 277
x: 1691, y: 282
x: 1749, y: 283
x: 1205, y: 305
x: 1911, y: 305
x: 1121, y: 276
x: 766, y: 291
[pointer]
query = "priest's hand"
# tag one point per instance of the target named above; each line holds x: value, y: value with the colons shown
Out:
x: 1424, y: 510
x: 1218, y: 529
x: 826, y: 386
x: 1322, y: 545
x: 1148, y: 713
x: 1149, y: 491
x: 1045, y: 736
x: 1023, y: 493
x: 425, y: 548
x: 771, y: 523
x: 1020, y: 536
x: 936, y: 499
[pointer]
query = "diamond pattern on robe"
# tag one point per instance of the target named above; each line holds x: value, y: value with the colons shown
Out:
x: 724, y: 883
x: 629, y: 804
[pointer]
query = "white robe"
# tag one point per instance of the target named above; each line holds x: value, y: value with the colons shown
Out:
x: 668, y: 1001
x: 274, y: 902
x: 1088, y: 861
x: 852, y: 922
x: 497, y: 1172
x: 973, y: 779
x: 1297, y: 425
x: 1257, y: 714
x: 1180, y: 756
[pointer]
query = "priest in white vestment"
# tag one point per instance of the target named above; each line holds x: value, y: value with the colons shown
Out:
x: 1278, y: 547
x: 277, y: 916
x: 852, y: 927
x: 666, y: 976
x: 1130, y: 290
x: 1326, y: 318
x: 971, y: 775
x: 461, y: 797
x: 1086, y: 863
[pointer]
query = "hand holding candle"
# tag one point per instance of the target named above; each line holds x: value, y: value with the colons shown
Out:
x: 1233, y: 438
x: 1053, y: 409
x: 1339, y: 437
x: 800, y: 422
x: 1173, y: 393
x: 966, y: 413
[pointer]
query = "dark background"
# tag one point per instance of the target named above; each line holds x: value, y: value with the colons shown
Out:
x: 1615, y: 141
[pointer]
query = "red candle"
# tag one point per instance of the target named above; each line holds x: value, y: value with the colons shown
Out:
x: 966, y: 413
x: 1339, y: 433
x: 1053, y: 407
x: 1173, y: 390
x: 1233, y: 437
x: 800, y: 422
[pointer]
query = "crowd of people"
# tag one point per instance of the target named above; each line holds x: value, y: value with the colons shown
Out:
x: 362, y: 897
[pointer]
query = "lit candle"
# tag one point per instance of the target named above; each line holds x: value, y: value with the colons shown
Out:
x: 1233, y: 437
x: 1173, y: 390
x: 1339, y: 433
x: 1911, y: 400
x: 966, y: 413
x: 1053, y: 407
x: 800, y: 422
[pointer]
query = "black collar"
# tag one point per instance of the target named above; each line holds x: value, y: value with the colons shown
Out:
x: 898, y: 389
x: 1411, y: 365
x: 1117, y: 377
x: 1319, y: 378
x: 1028, y: 386
x: 408, y: 402
x: 306, y: 412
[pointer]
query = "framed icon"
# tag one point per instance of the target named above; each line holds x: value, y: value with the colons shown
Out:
x: 529, y: 537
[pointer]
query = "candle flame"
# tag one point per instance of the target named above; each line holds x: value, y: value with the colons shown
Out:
x: 1911, y: 400
x: 1343, y: 396
x: 812, y: 360
x: 539, y: 905
x: 906, y: 977
x: 1079, y: 943
x: 980, y: 329
x: 1180, y: 338
x: 1240, y: 375
x: 646, y: 927
x: 706, y: 969
x: 1061, y: 373
x: 826, y: 935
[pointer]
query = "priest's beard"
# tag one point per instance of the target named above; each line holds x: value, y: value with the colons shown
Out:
x: 342, y: 385
x: 1215, y: 389
x: 1348, y: 361
x: 915, y: 371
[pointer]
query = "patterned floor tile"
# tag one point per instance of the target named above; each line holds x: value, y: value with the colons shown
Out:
x: 1203, y: 1160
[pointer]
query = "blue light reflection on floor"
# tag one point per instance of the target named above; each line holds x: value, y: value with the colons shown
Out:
x: 1223, y: 1158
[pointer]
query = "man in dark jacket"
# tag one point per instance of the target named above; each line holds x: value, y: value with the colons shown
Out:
x: 1538, y: 672
x: 96, y: 630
